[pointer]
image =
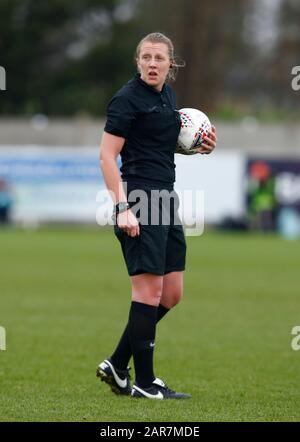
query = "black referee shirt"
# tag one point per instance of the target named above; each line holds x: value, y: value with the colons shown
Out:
x: 150, y: 124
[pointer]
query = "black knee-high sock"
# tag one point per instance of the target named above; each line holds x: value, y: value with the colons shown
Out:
x: 123, y: 353
x: 141, y: 331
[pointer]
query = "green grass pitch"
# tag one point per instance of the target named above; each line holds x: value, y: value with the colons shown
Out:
x: 64, y: 301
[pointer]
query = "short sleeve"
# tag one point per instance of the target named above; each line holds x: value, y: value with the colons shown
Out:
x: 120, y: 116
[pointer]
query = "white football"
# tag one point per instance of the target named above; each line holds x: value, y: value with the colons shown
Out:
x: 195, y: 125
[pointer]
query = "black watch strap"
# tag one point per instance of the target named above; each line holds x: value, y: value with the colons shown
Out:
x: 119, y: 208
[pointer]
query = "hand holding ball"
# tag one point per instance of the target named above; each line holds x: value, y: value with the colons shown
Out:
x: 195, y: 125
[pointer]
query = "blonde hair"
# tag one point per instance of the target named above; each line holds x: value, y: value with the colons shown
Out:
x: 158, y: 37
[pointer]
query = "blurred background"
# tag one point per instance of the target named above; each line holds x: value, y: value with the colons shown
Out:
x: 63, y: 60
x: 62, y: 276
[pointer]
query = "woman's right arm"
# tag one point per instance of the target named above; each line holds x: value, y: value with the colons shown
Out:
x: 110, y: 148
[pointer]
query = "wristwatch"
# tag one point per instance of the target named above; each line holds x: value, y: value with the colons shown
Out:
x: 119, y: 208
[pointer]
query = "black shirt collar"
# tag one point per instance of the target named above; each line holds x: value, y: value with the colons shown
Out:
x: 151, y: 88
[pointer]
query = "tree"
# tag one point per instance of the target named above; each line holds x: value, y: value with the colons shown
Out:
x: 60, y: 54
x: 207, y: 35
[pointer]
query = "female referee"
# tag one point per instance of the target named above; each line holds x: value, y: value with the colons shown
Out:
x: 143, y: 126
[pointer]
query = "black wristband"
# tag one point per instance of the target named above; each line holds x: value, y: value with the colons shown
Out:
x: 123, y: 206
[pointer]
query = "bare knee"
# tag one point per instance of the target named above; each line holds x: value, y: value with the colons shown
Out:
x: 150, y: 296
x: 172, y: 298
x: 177, y: 296
x: 172, y: 289
x: 147, y: 289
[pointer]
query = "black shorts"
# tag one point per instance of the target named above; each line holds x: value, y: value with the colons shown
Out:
x: 160, y: 248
